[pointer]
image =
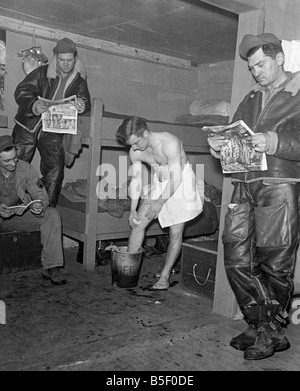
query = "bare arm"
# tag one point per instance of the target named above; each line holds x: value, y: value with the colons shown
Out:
x: 171, y: 150
x: 135, y: 186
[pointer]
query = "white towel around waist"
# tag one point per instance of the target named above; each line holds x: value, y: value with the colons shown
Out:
x: 185, y: 204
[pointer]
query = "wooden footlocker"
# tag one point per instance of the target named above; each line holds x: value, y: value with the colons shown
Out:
x: 20, y: 251
x: 198, y: 266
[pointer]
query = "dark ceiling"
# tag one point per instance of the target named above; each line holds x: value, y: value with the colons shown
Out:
x: 190, y: 30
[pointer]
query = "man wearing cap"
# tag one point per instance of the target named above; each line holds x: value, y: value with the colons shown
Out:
x: 63, y: 77
x: 19, y: 184
x: 262, y: 222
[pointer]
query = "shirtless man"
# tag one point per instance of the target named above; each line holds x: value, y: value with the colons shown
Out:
x: 173, y: 196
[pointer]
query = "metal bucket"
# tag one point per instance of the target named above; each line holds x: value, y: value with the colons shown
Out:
x: 125, y: 267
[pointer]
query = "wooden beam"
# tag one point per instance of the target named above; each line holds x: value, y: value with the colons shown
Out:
x: 233, y: 6
x: 27, y: 28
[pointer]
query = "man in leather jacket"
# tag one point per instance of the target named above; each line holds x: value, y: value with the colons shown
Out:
x: 63, y: 77
x: 261, y: 231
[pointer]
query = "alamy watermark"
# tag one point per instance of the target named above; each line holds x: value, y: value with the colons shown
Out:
x: 295, y: 318
x: 136, y: 181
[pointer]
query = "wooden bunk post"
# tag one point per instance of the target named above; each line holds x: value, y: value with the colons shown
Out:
x: 89, y: 250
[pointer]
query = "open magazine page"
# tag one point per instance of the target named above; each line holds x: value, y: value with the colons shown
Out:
x: 50, y: 102
x: 24, y: 206
x: 238, y: 155
x: 60, y: 118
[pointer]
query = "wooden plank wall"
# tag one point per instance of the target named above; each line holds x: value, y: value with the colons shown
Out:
x: 224, y: 300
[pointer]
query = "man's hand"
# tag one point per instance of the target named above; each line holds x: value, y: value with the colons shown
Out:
x: 37, y: 208
x: 5, y: 212
x: 260, y: 142
x: 154, y: 208
x: 80, y: 105
x: 41, y: 107
x: 134, y: 219
x: 216, y: 141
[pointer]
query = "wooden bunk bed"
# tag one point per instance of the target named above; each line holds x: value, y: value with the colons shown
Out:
x: 88, y: 225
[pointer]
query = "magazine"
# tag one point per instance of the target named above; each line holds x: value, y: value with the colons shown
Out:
x: 49, y: 102
x: 238, y: 155
x: 61, y: 116
x: 24, y: 206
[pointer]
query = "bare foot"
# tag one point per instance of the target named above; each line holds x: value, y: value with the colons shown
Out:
x: 157, y: 275
x: 161, y: 284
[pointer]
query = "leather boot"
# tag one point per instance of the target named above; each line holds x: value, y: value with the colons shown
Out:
x: 245, y: 339
x: 248, y: 337
x: 262, y: 348
x: 270, y: 337
x: 268, y: 342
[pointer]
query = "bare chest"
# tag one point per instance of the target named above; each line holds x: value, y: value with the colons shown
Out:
x: 155, y: 157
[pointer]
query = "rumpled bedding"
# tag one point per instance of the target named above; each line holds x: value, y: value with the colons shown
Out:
x: 111, y: 201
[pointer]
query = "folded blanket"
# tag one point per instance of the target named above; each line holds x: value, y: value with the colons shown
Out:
x: 76, y: 193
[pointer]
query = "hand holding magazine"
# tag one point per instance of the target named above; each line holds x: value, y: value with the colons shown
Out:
x: 238, y: 155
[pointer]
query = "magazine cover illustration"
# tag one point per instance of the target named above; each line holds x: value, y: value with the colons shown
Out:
x: 238, y: 155
x: 61, y: 116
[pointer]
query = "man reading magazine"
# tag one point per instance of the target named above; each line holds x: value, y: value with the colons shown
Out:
x: 63, y: 77
x: 261, y: 231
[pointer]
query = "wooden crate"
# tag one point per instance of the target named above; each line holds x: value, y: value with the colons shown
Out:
x: 198, y: 266
x: 20, y: 251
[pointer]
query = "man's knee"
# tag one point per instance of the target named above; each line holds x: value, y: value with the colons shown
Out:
x: 144, y: 221
x: 53, y: 215
x: 176, y: 231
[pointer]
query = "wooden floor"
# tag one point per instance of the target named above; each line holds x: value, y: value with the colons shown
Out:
x: 90, y: 325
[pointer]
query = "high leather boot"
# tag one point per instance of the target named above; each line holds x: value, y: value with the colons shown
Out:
x: 245, y: 339
x: 248, y: 337
x: 270, y: 337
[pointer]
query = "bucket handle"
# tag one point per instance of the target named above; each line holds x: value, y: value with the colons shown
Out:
x: 195, y: 277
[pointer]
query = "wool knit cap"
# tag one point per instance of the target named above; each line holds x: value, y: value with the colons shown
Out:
x: 65, y: 45
x: 6, y: 142
x: 251, y: 41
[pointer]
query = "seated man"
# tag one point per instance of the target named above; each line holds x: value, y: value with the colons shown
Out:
x: 19, y: 184
x: 173, y: 197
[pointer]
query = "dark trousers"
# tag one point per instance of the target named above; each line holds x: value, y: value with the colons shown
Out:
x: 260, y: 240
x: 50, y: 147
